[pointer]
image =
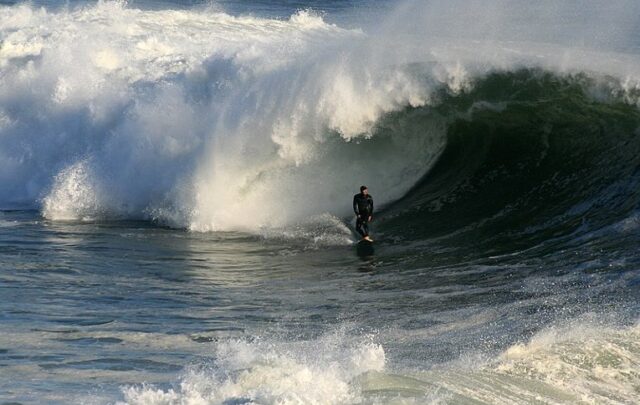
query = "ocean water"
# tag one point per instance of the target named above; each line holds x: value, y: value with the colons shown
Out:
x: 175, y: 189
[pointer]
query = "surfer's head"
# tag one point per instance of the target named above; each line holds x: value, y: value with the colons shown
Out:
x: 364, y: 190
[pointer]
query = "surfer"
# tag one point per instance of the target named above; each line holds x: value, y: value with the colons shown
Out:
x: 363, y: 207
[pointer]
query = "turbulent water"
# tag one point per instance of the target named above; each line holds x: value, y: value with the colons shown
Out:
x: 176, y: 183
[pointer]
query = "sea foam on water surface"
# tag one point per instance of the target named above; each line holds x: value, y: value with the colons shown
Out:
x: 312, y: 372
x: 581, y: 362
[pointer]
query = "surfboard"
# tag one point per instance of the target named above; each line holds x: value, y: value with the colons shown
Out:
x: 364, y: 248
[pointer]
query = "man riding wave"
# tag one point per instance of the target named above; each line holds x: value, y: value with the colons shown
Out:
x: 363, y: 207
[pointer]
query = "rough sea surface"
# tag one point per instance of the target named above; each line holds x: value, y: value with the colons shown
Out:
x: 175, y: 202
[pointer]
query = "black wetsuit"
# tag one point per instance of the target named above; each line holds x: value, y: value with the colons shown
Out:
x: 363, y: 207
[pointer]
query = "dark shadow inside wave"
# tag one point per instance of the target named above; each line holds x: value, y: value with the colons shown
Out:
x: 531, y: 156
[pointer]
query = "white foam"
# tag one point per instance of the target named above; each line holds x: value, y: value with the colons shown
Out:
x: 585, y: 361
x: 74, y: 194
x: 267, y: 372
x: 316, y: 231
x: 592, y: 361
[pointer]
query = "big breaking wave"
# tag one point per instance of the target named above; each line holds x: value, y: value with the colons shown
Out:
x: 206, y: 121
x: 202, y: 120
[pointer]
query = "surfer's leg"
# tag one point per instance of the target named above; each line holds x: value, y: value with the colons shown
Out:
x: 359, y: 224
x: 365, y: 228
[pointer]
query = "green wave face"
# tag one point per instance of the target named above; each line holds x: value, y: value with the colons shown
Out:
x: 531, y: 157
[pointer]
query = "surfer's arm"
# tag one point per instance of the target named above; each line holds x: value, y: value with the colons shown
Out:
x: 355, y: 206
